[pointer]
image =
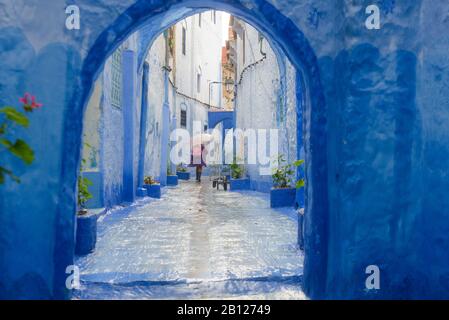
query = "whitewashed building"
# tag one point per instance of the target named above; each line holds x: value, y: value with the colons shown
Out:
x: 265, y: 95
x: 189, y: 53
x: 136, y: 103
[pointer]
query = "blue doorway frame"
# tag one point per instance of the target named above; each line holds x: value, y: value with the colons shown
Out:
x: 282, y: 34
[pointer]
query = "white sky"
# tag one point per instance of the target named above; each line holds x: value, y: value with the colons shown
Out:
x: 225, y: 20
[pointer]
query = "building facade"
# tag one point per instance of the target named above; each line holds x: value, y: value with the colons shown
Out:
x: 265, y: 98
x: 177, y: 86
x: 229, y: 70
x: 374, y: 137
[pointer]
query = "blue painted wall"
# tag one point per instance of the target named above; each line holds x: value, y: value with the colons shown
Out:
x: 129, y: 107
x: 225, y: 117
x: 112, y: 143
x: 375, y: 122
x: 143, y: 125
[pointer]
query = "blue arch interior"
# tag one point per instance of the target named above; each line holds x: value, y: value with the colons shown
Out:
x: 284, y: 36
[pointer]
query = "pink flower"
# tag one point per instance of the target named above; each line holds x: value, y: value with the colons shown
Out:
x: 25, y: 98
x: 29, y: 102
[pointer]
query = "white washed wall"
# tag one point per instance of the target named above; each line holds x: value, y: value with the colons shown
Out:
x: 261, y: 103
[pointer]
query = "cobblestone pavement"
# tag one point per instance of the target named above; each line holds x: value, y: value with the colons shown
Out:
x: 195, y: 243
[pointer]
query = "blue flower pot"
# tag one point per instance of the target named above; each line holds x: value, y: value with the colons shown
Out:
x: 172, y: 180
x: 86, y: 234
x: 240, y: 184
x: 283, y: 197
x: 153, y: 190
x: 183, y: 175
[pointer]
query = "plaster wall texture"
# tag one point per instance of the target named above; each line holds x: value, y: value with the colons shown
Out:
x: 203, y: 54
x: 266, y: 99
x: 91, y: 130
x: 198, y: 54
x: 104, y: 132
x: 202, y: 44
x: 375, y: 138
x: 156, y: 60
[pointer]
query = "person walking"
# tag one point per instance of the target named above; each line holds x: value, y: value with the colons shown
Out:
x: 198, y: 161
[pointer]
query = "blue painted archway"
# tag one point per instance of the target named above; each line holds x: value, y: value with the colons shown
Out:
x: 382, y: 127
x: 282, y: 35
x: 71, y: 63
x: 225, y: 117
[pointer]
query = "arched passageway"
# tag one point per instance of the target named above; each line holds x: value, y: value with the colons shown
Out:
x: 66, y: 101
x: 376, y: 148
x: 284, y: 37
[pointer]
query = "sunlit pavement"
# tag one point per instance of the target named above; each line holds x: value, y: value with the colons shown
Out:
x: 195, y: 243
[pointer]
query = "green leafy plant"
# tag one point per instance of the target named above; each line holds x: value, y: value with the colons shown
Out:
x: 181, y: 168
x: 83, y: 186
x: 237, y: 170
x: 83, y: 191
x: 282, y: 175
x: 301, y: 183
x: 150, y: 181
x: 11, y: 118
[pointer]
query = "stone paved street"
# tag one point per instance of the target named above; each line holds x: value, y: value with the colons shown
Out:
x: 195, y: 243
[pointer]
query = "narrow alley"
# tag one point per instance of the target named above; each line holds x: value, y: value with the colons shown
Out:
x: 195, y: 243
x: 213, y: 83
x: 328, y: 115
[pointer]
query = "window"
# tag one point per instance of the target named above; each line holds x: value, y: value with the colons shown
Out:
x: 183, y: 118
x: 199, y: 20
x: 116, y: 79
x: 214, y: 16
x: 184, y: 40
x: 206, y: 127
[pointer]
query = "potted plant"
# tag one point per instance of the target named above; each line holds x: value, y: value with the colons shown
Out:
x: 153, y: 187
x: 238, y: 179
x: 83, y: 189
x: 172, y: 180
x: 86, y: 225
x: 283, y: 194
x: 182, y: 173
x: 83, y: 194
